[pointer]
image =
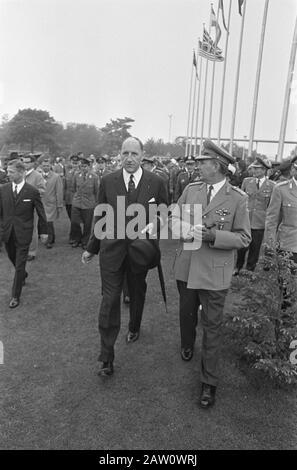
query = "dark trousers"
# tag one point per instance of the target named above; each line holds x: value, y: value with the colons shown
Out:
x: 51, y: 233
x: 69, y: 210
x: 18, y: 256
x: 125, y: 287
x: 110, y: 308
x: 211, y: 317
x: 78, y: 216
x: 253, y: 249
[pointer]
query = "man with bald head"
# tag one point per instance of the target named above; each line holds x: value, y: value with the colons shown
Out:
x: 131, y: 185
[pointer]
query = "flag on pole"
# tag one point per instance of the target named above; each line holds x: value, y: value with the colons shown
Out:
x: 240, y: 3
x: 215, y: 24
x: 209, y: 49
x: 221, y: 7
x: 195, y: 64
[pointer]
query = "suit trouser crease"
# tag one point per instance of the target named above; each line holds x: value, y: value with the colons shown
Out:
x: 78, y: 216
x: 18, y: 256
x: 34, y: 243
x: 110, y: 308
x: 211, y: 319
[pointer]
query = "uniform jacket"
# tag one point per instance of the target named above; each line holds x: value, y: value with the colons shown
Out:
x: 258, y: 201
x: 184, y: 178
x: 281, y: 218
x: 211, y: 266
x: 53, y: 196
x: 85, y: 189
x: 69, y: 185
x: 150, y: 189
x: 36, y: 179
x: 18, y: 215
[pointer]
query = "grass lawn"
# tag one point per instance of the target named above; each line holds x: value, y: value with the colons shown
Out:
x: 52, y: 398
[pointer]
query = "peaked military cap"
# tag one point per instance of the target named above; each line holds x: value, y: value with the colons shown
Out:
x: 189, y: 159
x: 294, y: 161
x: 101, y: 159
x: 149, y: 160
x: 74, y: 158
x: 260, y: 162
x: 285, y: 165
x: 211, y: 151
x: 85, y: 160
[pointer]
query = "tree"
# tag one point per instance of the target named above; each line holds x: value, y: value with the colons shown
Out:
x: 84, y: 138
x: 158, y: 147
x: 113, y: 134
x: 33, y: 127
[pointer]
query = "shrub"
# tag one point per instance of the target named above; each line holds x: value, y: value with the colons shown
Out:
x: 263, y: 322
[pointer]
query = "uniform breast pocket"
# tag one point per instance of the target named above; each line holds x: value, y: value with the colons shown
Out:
x: 290, y: 214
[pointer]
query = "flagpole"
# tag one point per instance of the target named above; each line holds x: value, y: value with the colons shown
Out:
x: 257, y: 84
x: 224, y: 75
x: 205, y: 83
x: 237, y: 80
x: 213, y: 77
x: 287, y: 96
x: 193, y: 112
x: 198, y: 101
x: 189, y: 108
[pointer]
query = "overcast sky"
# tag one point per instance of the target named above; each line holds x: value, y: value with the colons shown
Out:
x: 93, y: 60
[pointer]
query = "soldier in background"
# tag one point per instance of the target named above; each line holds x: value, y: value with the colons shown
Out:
x: 85, y: 187
x: 36, y: 180
x: 70, y: 171
x: 281, y: 219
x: 52, y: 199
x: 189, y: 175
x: 259, y: 189
x: 99, y: 168
x: 284, y: 171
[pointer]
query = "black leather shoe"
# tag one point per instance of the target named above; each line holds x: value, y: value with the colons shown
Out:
x: 126, y: 299
x: 106, y: 369
x: 207, y: 397
x: 186, y: 354
x: 132, y: 337
x: 75, y: 244
x: 14, y: 302
x: 30, y: 258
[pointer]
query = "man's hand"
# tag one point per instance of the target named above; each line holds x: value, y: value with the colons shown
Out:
x: 86, y: 257
x: 43, y: 238
x: 208, y: 235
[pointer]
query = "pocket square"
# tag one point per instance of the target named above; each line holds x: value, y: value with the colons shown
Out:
x: 152, y: 200
x: 27, y: 200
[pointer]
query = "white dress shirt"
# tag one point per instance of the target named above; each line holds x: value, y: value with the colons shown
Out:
x: 216, y: 188
x: 18, y: 186
x: 136, y: 177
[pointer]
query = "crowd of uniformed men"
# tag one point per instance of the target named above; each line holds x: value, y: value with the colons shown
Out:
x: 241, y: 207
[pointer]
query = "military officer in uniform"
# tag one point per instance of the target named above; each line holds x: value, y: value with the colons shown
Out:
x: 185, y: 177
x: 281, y: 218
x: 258, y: 189
x: 100, y: 167
x: 205, y: 259
x: 70, y: 171
x: 85, y: 187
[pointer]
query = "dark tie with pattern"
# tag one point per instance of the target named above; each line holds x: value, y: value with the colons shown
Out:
x: 131, y: 185
x: 258, y: 184
x: 210, y: 188
x: 15, y: 193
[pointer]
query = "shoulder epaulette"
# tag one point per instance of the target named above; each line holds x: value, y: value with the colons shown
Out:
x: 240, y: 191
x: 282, y: 183
x: 195, y: 183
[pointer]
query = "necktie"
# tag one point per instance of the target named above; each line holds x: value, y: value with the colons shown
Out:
x: 131, y: 185
x: 210, y: 188
x: 15, y: 192
x: 258, y: 184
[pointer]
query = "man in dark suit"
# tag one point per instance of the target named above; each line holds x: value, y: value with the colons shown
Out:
x: 18, y: 200
x: 133, y: 185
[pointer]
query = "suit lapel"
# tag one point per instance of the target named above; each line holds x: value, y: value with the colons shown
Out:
x: 120, y: 184
x: 144, y: 187
x: 216, y: 200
